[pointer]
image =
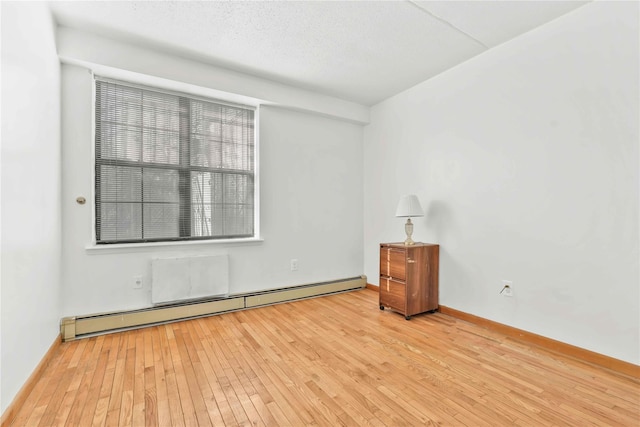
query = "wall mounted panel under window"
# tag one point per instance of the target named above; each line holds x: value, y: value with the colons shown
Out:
x: 171, y: 166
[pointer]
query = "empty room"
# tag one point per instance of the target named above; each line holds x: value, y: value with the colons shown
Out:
x: 287, y: 213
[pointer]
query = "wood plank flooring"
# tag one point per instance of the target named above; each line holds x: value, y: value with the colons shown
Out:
x: 330, y: 361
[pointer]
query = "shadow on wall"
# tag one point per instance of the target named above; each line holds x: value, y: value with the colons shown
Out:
x: 439, y: 222
x: 461, y: 273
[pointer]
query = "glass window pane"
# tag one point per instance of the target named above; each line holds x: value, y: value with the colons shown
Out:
x: 120, y: 184
x: 161, y: 220
x: 121, y: 221
x: 120, y: 142
x: 201, y: 192
x: 161, y: 185
x: 205, y: 152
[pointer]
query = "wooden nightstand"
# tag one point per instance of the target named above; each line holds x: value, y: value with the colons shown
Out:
x: 409, y: 277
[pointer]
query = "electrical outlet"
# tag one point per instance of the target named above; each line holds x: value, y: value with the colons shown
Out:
x: 507, y: 288
x: 294, y: 265
x: 137, y: 282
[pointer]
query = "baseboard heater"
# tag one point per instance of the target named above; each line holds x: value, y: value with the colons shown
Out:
x: 72, y: 328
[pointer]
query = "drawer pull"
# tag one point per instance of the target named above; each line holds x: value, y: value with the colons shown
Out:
x: 411, y: 261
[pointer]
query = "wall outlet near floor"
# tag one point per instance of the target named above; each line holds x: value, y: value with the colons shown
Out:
x: 137, y: 282
x: 507, y: 288
x: 294, y: 265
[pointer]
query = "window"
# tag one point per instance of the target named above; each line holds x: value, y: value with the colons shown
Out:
x: 171, y: 167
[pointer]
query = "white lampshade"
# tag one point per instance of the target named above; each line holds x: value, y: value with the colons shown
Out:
x: 409, y: 206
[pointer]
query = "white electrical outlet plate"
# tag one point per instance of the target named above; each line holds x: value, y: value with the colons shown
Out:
x: 507, y: 288
x: 137, y: 282
x: 294, y: 265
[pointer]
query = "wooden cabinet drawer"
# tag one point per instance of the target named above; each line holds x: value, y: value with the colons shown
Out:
x: 392, y: 293
x: 393, y: 262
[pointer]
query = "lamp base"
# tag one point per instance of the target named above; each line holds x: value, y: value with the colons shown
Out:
x: 408, y: 228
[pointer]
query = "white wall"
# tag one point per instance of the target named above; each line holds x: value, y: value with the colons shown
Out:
x: 526, y: 162
x: 30, y: 192
x: 311, y: 210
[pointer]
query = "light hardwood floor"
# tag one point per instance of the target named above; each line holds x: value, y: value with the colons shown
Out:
x: 328, y: 361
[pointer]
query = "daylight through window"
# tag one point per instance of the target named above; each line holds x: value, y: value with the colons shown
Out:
x: 171, y: 167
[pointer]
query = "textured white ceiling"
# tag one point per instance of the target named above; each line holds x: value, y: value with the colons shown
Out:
x: 359, y: 51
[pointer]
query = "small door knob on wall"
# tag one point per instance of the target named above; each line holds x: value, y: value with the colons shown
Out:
x: 81, y: 200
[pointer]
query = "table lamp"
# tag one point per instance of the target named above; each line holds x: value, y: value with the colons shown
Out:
x: 409, y: 206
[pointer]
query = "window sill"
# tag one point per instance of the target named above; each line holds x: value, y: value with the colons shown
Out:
x: 155, y: 246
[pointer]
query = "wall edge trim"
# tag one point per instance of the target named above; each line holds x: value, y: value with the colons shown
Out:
x: 372, y: 287
x: 576, y: 353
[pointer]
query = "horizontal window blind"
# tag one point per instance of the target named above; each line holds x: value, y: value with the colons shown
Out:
x: 171, y: 167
